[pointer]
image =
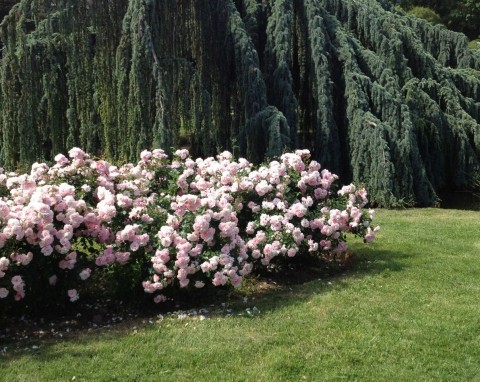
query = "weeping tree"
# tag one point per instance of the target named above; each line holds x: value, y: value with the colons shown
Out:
x: 378, y: 97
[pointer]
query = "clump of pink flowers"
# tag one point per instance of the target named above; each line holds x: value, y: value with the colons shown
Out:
x: 187, y: 222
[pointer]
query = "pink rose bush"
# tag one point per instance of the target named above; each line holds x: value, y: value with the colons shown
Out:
x: 166, y: 223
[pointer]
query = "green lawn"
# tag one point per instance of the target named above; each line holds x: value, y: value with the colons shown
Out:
x: 408, y: 310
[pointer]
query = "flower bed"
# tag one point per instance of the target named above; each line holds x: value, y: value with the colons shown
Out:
x: 166, y: 223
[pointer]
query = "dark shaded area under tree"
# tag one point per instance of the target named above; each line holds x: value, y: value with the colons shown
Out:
x: 5, y: 6
x: 377, y: 96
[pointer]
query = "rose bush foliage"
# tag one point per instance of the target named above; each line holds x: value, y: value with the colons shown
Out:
x: 165, y: 223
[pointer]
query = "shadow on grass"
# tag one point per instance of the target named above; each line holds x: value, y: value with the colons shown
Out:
x: 290, y: 284
x: 302, y: 284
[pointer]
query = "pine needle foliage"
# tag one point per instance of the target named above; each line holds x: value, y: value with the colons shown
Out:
x: 379, y: 97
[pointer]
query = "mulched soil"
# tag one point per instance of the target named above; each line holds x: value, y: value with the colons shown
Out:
x: 28, y: 332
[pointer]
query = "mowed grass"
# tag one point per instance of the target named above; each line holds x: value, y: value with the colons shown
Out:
x: 408, y: 310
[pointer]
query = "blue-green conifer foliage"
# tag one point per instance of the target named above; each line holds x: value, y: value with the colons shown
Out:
x: 378, y: 96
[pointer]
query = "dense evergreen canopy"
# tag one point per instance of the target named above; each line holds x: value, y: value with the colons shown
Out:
x: 458, y: 15
x: 386, y: 99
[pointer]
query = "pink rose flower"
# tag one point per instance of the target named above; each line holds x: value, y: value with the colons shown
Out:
x: 73, y: 295
x: 3, y: 292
